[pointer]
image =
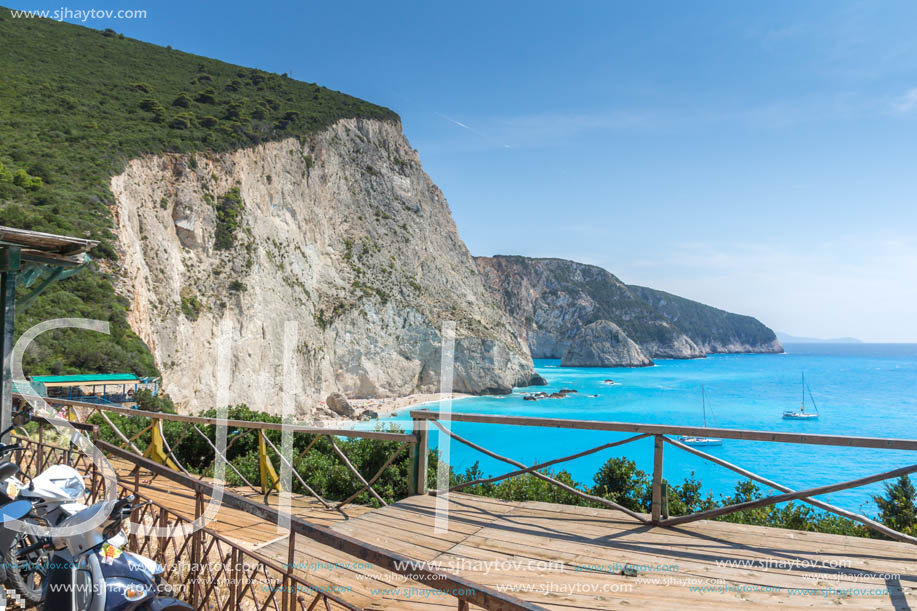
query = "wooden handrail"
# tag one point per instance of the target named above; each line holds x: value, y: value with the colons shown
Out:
x: 659, y: 511
x: 688, y: 431
x: 251, y: 424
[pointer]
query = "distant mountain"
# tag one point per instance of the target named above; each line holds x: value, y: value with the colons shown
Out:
x: 715, y: 331
x: 786, y: 338
x: 556, y: 307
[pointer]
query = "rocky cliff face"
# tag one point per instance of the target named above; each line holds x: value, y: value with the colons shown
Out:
x: 714, y: 330
x: 342, y: 233
x: 553, y: 302
x: 603, y: 344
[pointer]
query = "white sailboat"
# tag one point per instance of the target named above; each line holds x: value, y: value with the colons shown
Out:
x: 802, y: 414
x: 701, y: 440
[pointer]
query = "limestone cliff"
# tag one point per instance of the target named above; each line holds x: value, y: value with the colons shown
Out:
x: 552, y: 301
x: 341, y: 232
x: 603, y: 344
x: 714, y: 330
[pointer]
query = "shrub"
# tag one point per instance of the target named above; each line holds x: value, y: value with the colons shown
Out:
x: 183, y: 120
x: 182, y: 101
x: 191, y: 307
x: 229, y: 212
x: 208, y: 121
x: 207, y: 96
x: 144, y: 87
x: 151, y: 105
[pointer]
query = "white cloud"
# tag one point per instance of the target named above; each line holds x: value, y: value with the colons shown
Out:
x: 907, y: 102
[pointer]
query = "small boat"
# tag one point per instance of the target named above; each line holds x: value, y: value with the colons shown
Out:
x: 700, y: 440
x: 802, y: 414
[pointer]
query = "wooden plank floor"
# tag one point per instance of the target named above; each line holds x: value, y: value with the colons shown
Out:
x: 512, y: 546
x: 573, y: 558
x: 233, y: 524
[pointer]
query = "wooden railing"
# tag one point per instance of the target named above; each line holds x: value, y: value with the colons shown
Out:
x: 266, y: 584
x: 162, y: 450
x: 423, y: 419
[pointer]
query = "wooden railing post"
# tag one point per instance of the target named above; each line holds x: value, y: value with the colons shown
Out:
x: 412, y: 470
x: 421, y: 456
x: 289, y: 587
x: 658, y: 444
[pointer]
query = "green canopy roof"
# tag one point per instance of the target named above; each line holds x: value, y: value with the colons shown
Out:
x: 88, y: 378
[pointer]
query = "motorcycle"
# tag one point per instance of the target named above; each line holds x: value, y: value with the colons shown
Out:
x: 55, y: 494
x: 90, y: 572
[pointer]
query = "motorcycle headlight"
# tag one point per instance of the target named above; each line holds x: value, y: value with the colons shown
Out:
x: 74, y: 487
x: 128, y: 588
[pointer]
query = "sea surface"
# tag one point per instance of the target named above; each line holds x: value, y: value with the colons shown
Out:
x: 860, y: 389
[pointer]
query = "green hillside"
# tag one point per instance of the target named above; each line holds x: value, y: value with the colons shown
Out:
x: 75, y: 105
x: 706, y: 325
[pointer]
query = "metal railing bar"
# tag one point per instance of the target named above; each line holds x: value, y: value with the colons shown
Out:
x: 373, y: 479
x: 550, y: 463
x: 788, y: 496
x: 120, y: 434
x: 663, y: 429
x: 353, y: 470
x: 570, y: 489
x: 165, y: 442
x: 296, y: 473
x: 226, y: 460
x: 894, y: 534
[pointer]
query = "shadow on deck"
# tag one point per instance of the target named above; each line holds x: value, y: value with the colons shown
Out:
x: 565, y: 557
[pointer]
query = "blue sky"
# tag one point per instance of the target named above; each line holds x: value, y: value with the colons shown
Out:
x: 759, y: 157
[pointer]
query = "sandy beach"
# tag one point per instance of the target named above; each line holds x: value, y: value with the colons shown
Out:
x: 385, y: 407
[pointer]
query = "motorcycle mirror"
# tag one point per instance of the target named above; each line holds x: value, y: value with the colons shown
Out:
x: 15, y: 510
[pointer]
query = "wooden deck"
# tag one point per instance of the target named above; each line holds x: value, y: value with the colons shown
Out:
x: 564, y: 557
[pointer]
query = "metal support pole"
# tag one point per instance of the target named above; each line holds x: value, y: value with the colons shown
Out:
x: 9, y: 265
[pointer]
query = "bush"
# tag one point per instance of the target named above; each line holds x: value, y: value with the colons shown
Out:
x: 182, y: 101
x: 191, y: 307
x: 151, y: 105
x: 207, y: 96
x: 183, y: 120
x: 229, y: 212
x: 208, y: 121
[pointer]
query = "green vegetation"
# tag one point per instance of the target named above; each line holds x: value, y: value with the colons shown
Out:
x: 898, y: 508
x: 620, y: 480
x: 705, y: 324
x: 321, y: 468
x: 229, y: 210
x: 76, y: 104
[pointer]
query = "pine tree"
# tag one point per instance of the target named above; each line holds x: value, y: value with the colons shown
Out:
x: 898, y: 508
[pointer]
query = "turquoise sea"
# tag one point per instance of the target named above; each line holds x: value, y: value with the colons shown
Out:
x: 860, y: 389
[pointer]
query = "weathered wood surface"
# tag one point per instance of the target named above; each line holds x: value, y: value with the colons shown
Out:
x: 600, y: 542
x: 591, y: 544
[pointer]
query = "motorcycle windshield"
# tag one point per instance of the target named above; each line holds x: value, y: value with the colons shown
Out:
x: 14, y: 511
